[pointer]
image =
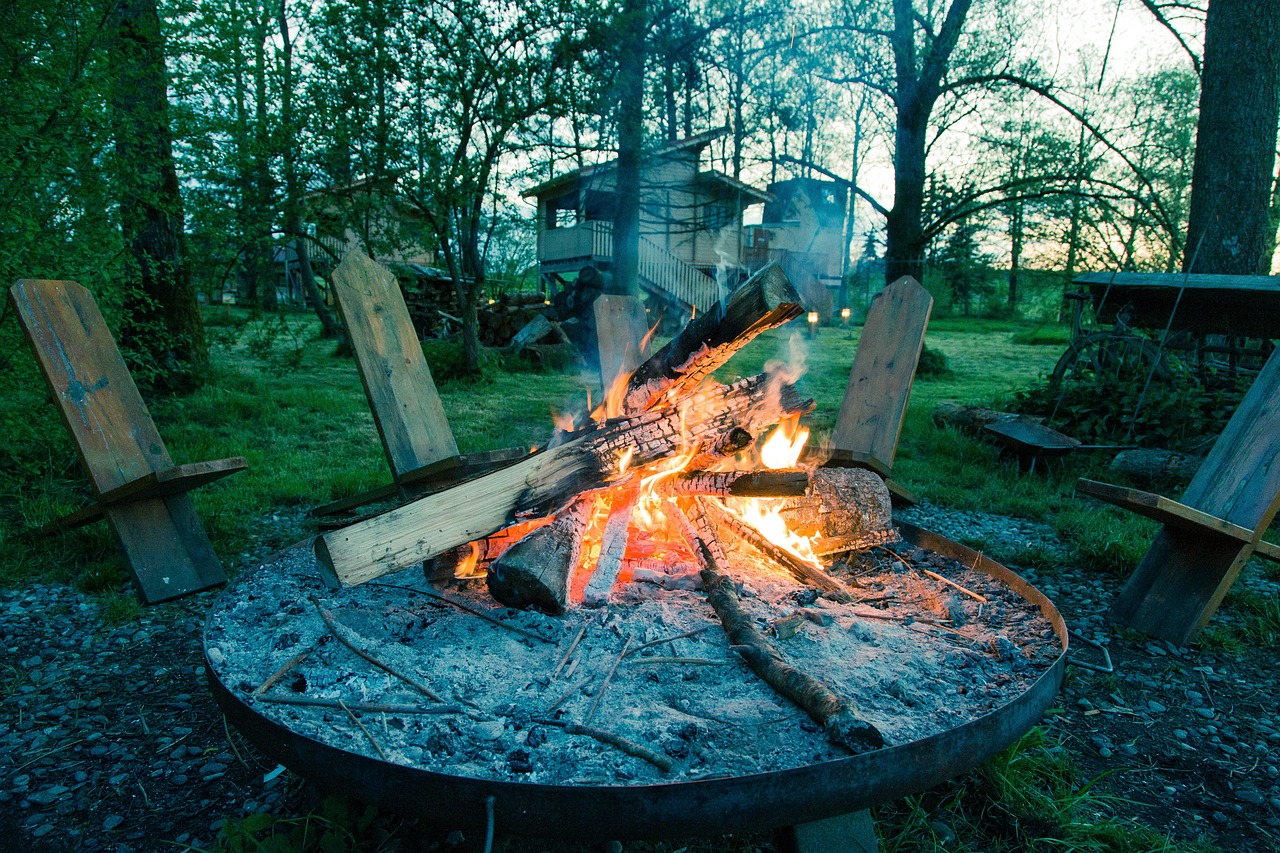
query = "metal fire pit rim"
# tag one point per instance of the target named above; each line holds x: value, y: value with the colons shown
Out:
x: 708, y: 806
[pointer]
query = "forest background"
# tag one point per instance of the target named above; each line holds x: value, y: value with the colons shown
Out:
x: 154, y: 149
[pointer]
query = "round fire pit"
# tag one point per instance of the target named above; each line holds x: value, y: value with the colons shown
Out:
x: 336, y: 745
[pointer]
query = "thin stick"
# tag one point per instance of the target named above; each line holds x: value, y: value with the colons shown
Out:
x: 337, y: 630
x: 896, y: 556
x: 662, y: 762
x: 595, y: 703
x: 284, y: 667
x: 368, y: 734
x: 572, y: 646
x: 568, y: 693
x: 950, y: 582
x: 653, y: 643
x: 466, y: 608
x: 695, y: 661
x: 370, y: 707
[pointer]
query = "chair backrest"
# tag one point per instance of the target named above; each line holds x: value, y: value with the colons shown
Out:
x: 875, y: 400
x: 406, y: 406
x: 621, y: 336
x: 96, y: 396
x: 1240, y: 478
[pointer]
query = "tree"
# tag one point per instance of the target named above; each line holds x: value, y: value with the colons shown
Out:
x: 162, y: 331
x: 1229, y: 229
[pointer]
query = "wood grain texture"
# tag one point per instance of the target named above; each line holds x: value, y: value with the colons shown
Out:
x: 1162, y: 509
x: 1240, y: 478
x: 1179, y: 584
x: 406, y: 407
x: 875, y: 398
x: 113, y: 432
x: 621, y: 336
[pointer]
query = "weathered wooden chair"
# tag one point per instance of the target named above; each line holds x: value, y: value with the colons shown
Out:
x: 621, y: 336
x: 875, y: 399
x: 1207, y: 537
x: 406, y: 407
x: 139, y: 490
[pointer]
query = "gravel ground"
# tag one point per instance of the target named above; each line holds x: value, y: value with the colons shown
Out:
x: 109, y: 739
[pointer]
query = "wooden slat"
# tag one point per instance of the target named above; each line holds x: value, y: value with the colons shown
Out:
x: 1268, y: 550
x: 1162, y: 509
x: 875, y: 399
x: 621, y: 336
x: 1240, y: 478
x: 406, y: 407
x: 168, y: 550
x: 97, y: 398
x: 1179, y: 583
x: 174, y: 481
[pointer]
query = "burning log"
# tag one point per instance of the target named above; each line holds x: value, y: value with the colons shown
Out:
x: 537, y: 570
x: 800, y: 569
x: 765, y: 301
x: 749, y: 484
x: 731, y: 443
x: 613, y: 544
x: 847, y: 509
x: 838, y: 717
x: 540, y: 483
x: 474, y: 558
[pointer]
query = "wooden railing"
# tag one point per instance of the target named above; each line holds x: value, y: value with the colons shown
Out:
x: 662, y: 271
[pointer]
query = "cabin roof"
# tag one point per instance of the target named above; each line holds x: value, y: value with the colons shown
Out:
x: 698, y: 142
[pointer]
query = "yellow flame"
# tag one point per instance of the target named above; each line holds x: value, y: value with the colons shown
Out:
x: 624, y: 462
x: 466, y: 567
x: 783, y: 447
x: 763, y: 514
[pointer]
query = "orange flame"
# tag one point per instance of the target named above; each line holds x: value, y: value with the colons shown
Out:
x: 466, y: 567
x: 783, y: 447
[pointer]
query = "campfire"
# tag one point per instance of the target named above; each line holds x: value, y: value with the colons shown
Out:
x: 665, y: 593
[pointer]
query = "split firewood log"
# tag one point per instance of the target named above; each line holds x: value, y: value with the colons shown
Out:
x: 765, y: 301
x: 847, y: 509
x: 537, y: 570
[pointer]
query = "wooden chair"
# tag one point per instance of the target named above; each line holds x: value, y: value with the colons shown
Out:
x: 621, y: 336
x: 875, y: 399
x: 1207, y: 537
x: 139, y: 490
x: 406, y: 407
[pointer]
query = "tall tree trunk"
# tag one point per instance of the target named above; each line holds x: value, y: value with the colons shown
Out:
x: 1228, y: 224
x: 294, y: 186
x: 1016, y: 220
x: 162, y: 327
x: 633, y: 26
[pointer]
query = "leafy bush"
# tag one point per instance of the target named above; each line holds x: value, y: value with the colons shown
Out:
x: 1103, y: 407
x: 933, y: 364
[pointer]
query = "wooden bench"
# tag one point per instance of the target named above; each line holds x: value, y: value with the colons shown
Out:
x: 884, y: 367
x: 1206, y: 538
x: 406, y: 407
x: 138, y: 488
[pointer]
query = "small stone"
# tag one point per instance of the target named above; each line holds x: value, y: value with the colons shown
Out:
x: 1219, y: 817
x: 213, y: 768
x: 1206, y: 713
x: 1250, y: 796
x: 1158, y: 651
x: 946, y: 836
x: 1105, y: 752
x: 1155, y: 707
x: 113, y: 821
x: 1180, y: 734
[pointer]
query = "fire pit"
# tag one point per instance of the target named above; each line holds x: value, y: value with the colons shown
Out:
x: 700, y: 635
x: 777, y: 768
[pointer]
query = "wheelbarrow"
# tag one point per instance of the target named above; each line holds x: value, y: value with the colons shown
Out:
x: 1029, y: 442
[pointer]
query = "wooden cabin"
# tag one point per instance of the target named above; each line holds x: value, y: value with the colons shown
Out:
x: 690, y: 223
x: 802, y: 230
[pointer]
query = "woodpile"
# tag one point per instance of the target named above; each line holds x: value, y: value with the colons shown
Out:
x: 584, y: 509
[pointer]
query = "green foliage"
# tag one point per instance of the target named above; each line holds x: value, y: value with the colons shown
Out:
x: 1251, y: 620
x: 933, y: 364
x: 1104, y: 539
x: 1044, y: 335
x: 1028, y: 797
x: 117, y: 609
x: 1102, y: 407
x: 337, y: 826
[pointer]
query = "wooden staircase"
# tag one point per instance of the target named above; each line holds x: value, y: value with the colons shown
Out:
x: 667, y: 276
